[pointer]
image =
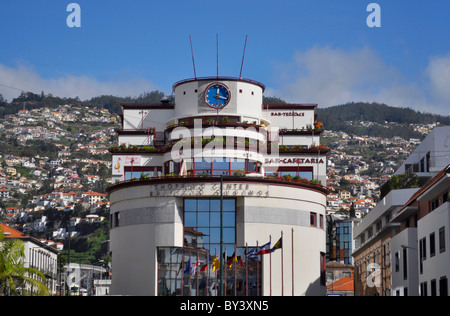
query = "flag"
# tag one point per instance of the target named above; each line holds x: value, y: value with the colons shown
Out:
x: 179, y: 269
x: 216, y: 264
x: 196, y: 265
x: 232, y: 260
x: 241, y: 262
x: 204, y: 267
x: 188, y: 268
x: 252, y: 254
x: 264, y: 249
x: 278, y: 244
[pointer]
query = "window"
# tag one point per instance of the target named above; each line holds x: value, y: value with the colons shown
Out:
x: 202, y: 224
x: 435, y: 204
x: 323, y: 268
x: 405, y: 264
x: 443, y: 286
x: 142, y: 172
x: 302, y: 172
x: 423, y: 289
x: 378, y: 225
x: 432, y: 245
x: 433, y: 287
x: 397, y: 261
x: 188, y: 271
x: 222, y: 166
x: 321, y: 221
x: 424, y: 248
x: 442, y: 239
x: 313, y: 219
x: 116, y: 219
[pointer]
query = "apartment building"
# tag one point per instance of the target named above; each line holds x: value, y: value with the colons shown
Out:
x: 404, y: 239
x: 421, y: 255
x: 372, y: 258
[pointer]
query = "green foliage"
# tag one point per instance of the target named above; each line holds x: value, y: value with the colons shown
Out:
x: 335, y: 118
x: 272, y: 100
x: 112, y: 103
x: 403, y: 181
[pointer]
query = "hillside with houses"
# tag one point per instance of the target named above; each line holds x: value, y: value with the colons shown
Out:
x: 55, y: 160
x: 55, y: 164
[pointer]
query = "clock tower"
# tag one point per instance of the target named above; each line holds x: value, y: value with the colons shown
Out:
x: 219, y: 96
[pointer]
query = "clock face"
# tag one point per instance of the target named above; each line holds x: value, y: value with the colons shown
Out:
x: 217, y: 95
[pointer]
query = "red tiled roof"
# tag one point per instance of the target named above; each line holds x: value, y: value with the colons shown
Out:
x: 10, y: 232
x: 343, y: 284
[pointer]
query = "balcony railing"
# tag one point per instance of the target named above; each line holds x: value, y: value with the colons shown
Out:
x: 237, y: 176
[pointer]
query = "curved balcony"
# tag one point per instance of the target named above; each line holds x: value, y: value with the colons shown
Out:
x: 241, y: 177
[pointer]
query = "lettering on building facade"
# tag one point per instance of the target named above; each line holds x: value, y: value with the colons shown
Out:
x: 297, y: 161
x: 287, y: 113
x: 209, y: 189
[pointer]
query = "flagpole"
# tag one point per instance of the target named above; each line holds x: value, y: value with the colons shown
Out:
x: 246, y: 269
x: 293, y: 262
x: 215, y: 272
x: 197, y: 264
x: 282, y: 266
x: 270, y: 266
x: 190, y: 268
x: 182, y: 275
x: 257, y: 270
x: 225, y: 272
x: 207, y: 273
x: 234, y: 262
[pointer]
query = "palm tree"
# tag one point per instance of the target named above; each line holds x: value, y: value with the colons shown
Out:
x: 15, y: 278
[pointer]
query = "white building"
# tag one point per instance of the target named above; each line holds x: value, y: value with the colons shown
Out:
x: 218, y: 172
x: 431, y: 156
x: 414, y: 256
x: 38, y: 255
x: 421, y: 254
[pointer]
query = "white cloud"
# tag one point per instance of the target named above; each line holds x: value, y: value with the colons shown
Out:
x: 27, y: 79
x: 438, y: 72
x: 330, y: 77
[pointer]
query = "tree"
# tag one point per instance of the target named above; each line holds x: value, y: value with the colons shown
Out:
x: 402, y: 181
x: 352, y: 212
x: 15, y: 278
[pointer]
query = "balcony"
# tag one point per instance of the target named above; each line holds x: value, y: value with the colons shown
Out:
x: 241, y: 176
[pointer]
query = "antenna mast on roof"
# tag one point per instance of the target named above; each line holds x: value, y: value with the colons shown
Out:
x: 192, y: 53
x: 217, y: 47
x: 243, y: 55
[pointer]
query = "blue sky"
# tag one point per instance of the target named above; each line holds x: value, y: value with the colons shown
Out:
x: 303, y: 51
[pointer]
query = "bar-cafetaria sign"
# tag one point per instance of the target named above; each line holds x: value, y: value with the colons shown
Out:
x: 296, y: 161
x: 209, y: 189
